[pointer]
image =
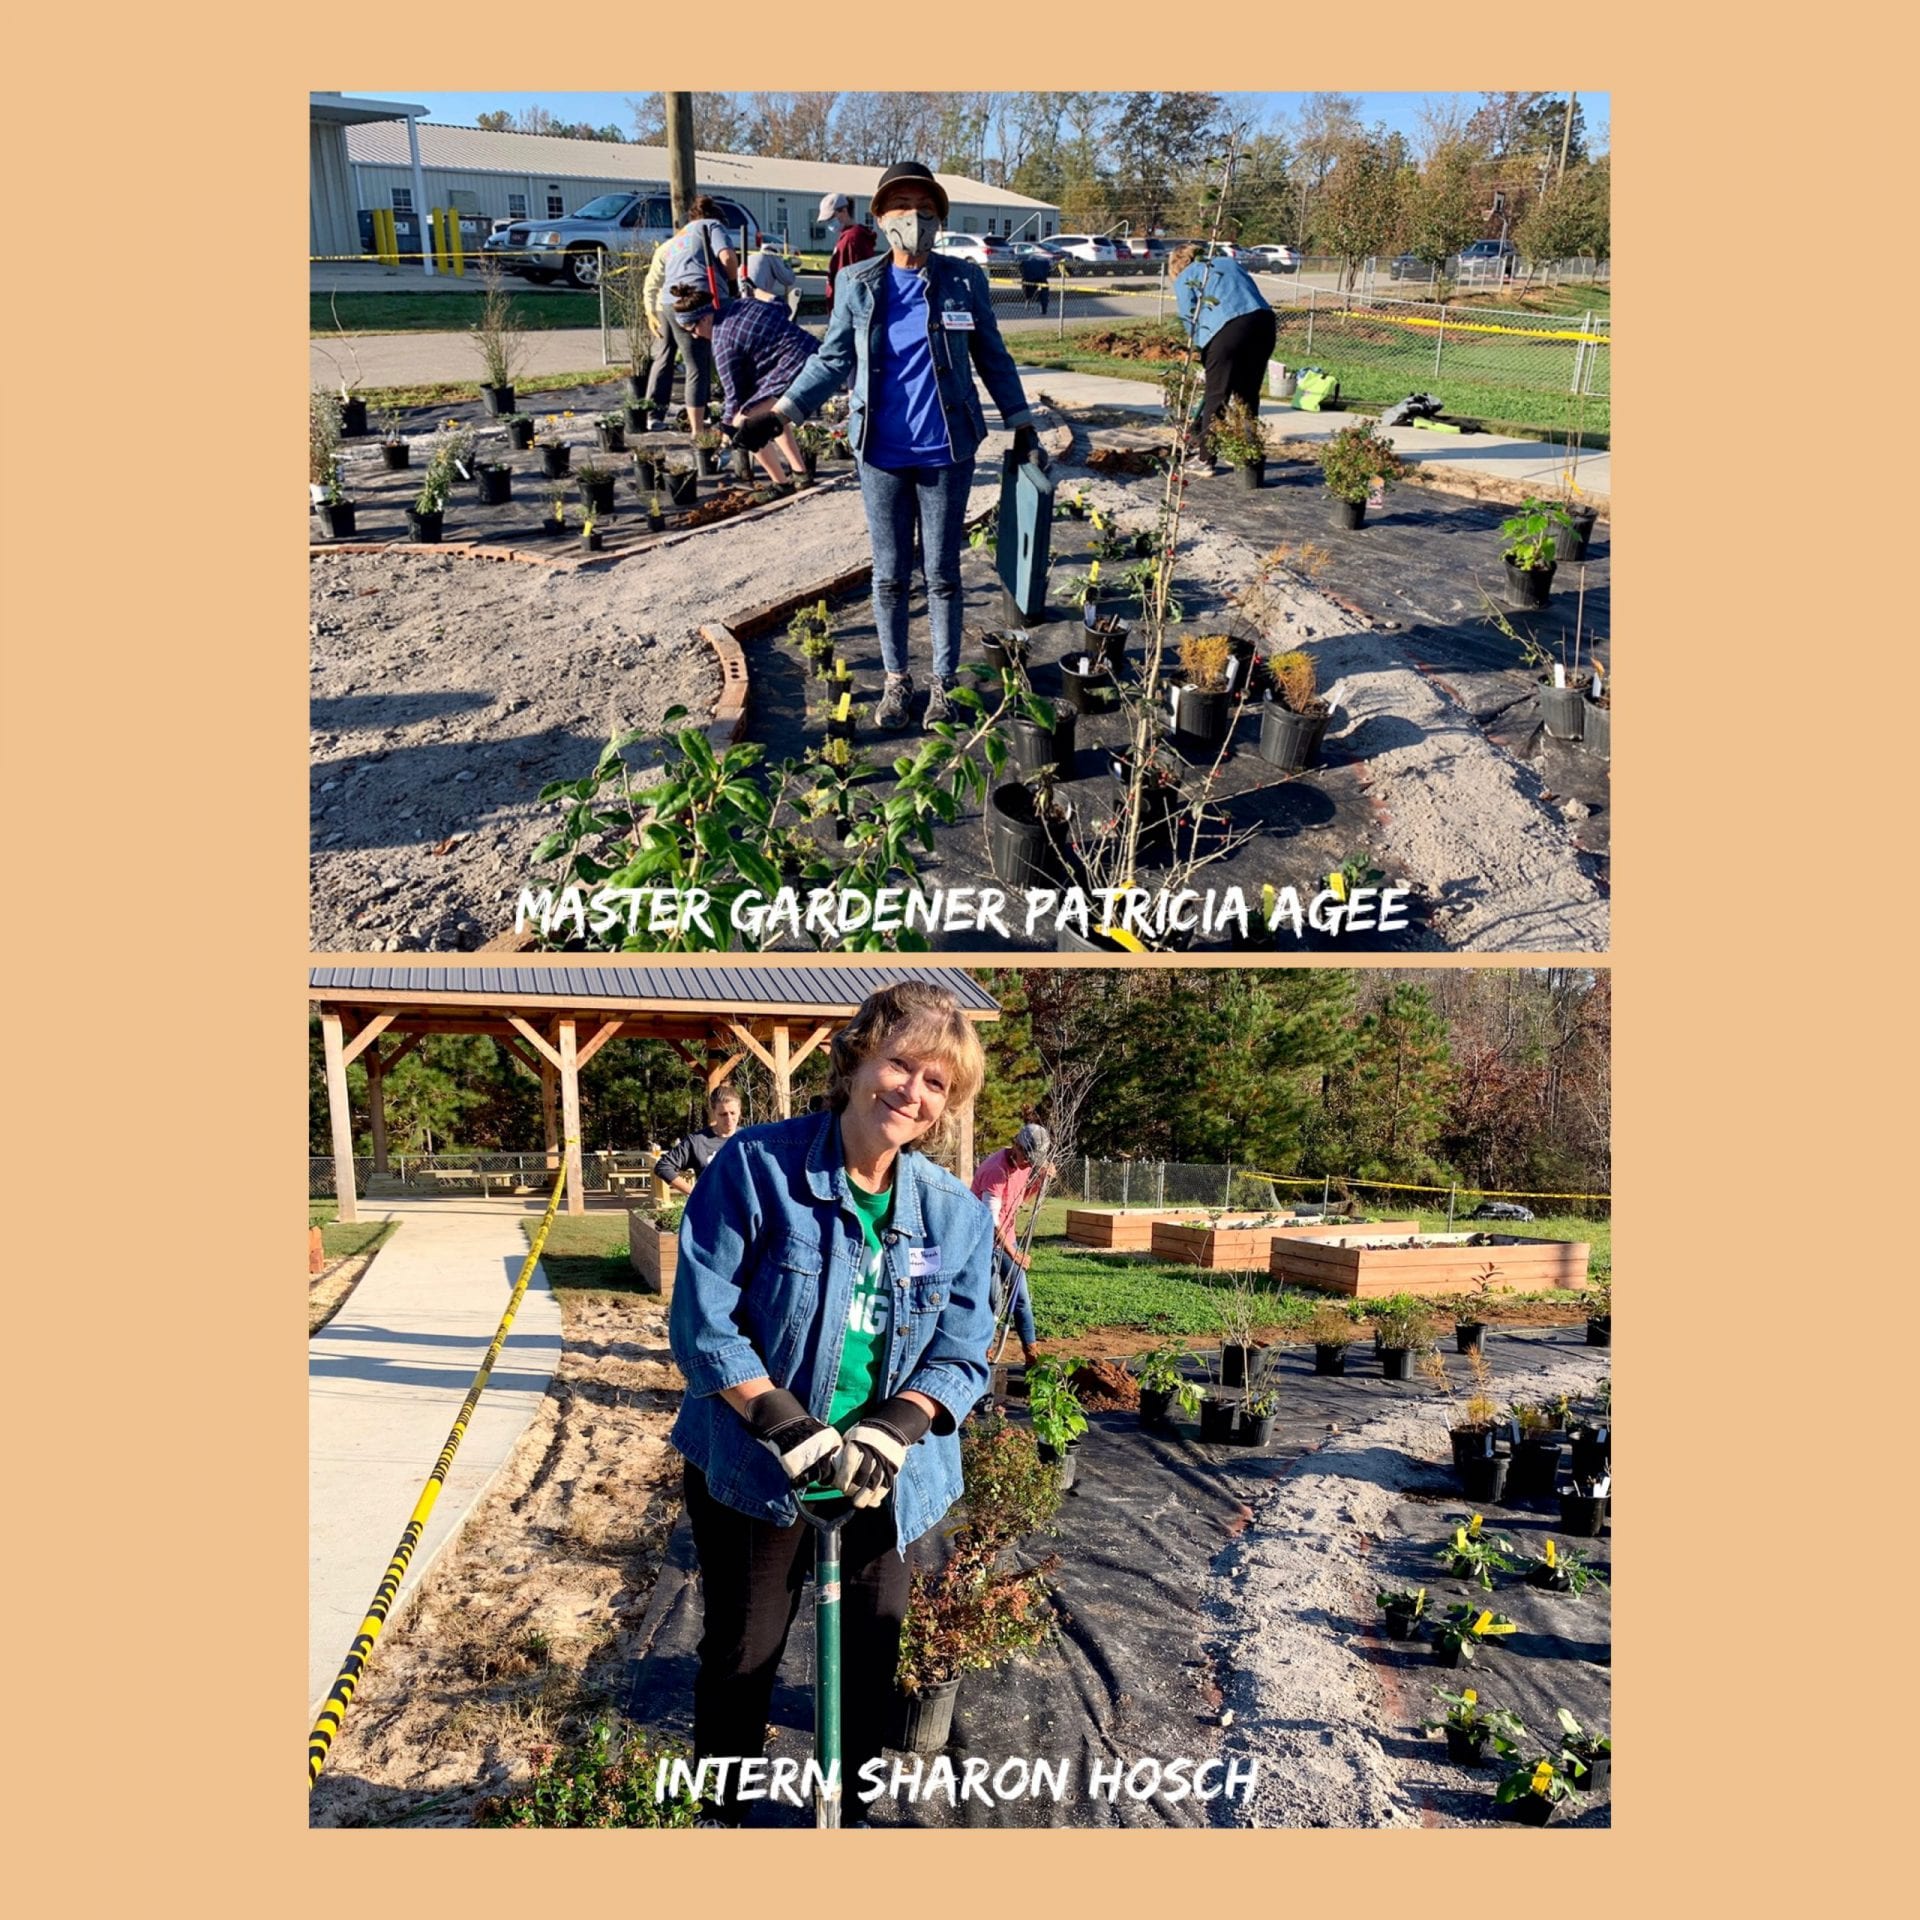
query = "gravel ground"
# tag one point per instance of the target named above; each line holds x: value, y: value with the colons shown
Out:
x: 1302, y: 1696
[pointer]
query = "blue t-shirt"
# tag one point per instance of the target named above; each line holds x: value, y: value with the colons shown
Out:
x: 907, y: 428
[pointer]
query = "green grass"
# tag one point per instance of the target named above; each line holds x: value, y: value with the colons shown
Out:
x: 586, y: 1253
x: 1571, y: 299
x: 362, y: 1236
x: 445, y: 393
x: 442, y: 312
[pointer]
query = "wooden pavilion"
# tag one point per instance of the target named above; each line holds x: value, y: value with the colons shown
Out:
x: 554, y: 1017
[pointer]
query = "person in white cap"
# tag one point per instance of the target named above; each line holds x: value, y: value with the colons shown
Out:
x: 853, y: 240
x: 1002, y: 1182
x: 768, y: 277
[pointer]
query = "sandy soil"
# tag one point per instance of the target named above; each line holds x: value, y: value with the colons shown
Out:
x: 523, y: 1627
x: 328, y: 1289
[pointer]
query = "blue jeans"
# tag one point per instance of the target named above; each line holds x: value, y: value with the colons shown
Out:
x: 1013, y: 1275
x: 935, y: 499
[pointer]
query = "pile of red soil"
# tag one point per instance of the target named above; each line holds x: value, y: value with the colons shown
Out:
x: 1104, y: 1386
x: 1118, y: 345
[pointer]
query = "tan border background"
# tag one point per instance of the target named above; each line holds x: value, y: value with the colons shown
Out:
x: 158, y: 608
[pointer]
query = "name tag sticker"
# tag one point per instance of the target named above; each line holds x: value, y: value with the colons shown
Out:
x: 957, y: 318
x: 923, y: 1263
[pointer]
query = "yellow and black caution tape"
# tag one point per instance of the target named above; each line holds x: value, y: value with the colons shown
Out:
x: 320, y: 1740
x: 1399, y: 1186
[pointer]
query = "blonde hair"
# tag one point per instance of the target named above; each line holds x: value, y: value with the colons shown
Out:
x: 1180, y: 259
x: 918, y: 1018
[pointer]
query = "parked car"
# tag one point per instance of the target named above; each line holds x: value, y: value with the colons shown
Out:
x: 1486, y: 260
x: 575, y: 248
x: 1272, y: 259
x: 983, y: 249
x: 1409, y: 266
x: 1094, y: 248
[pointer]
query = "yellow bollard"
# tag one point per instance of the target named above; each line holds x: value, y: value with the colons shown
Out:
x: 454, y: 246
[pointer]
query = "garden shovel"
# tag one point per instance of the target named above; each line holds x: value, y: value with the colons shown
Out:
x: 826, y: 1515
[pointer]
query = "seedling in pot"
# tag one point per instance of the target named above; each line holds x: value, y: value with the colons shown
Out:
x: 1469, y: 1725
x: 1332, y: 1330
x: 1586, y: 1757
x: 1530, y: 1791
x: 1458, y: 1640
x: 1160, y: 1373
x: 1474, y: 1555
x: 1561, y: 1569
x: 1403, y: 1607
x: 1058, y: 1418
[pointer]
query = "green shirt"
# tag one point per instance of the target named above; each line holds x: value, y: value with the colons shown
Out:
x: 869, y: 1314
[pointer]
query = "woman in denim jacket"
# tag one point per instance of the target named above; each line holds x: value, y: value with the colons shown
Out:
x: 911, y: 326
x: 830, y: 1314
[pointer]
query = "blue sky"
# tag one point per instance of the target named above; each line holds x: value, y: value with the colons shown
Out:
x: 1398, y: 111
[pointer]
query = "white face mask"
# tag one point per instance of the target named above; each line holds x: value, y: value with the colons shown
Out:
x: 910, y: 233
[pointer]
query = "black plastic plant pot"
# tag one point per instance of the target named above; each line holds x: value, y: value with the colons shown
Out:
x: 1402, y: 1622
x: 1570, y: 540
x: 1018, y: 846
x: 1396, y: 1363
x: 1470, y: 1444
x: 1469, y: 1336
x: 1089, y: 688
x: 1583, y: 1515
x: 1600, y: 1330
x: 1107, y: 642
x: 494, y: 485
x: 1464, y: 1748
x: 613, y: 439
x: 1562, y: 710
x: 424, y: 529
x: 339, y: 519
x: 1251, y: 476
x: 1483, y: 1481
x: 1350, y: 515
x: 656, y: 522
x: 1234, y: 1357
x: 838, y: 729
x: 1529, y: 1810
x: 1202, y: 721
x: 1592, y: 1454
x: 593, y: 539
x: 682, y: 488
x: 353, y: 419
x: 1529, y: 588
x: 810, y: 462
x: 1156, y: 1406
x: 1255, y: 1430
x: 1070, y: 940
x: 1289, y: 740
x: 1598, y: 1773
x: 1329, y: 1359
x: 923, y: 1721
x: 1217, y: 1418
x: 743, y: 466
x: 1549, y: 1579
x: 499, y: 402
x: 395, y: 455
x: 1054, y: 1457
x: 703, y: 462
x: 636, y: 392
x: 1535, y: 1470
x: 1004, y: 650
x: 1452, y: 1653
x: 556, y: 462
x: 1596, y: 729
x: 520, y: 435
x: 1038, y: 749
x: 598, y: 494
x: 635, y: 418
x: 648, y: 474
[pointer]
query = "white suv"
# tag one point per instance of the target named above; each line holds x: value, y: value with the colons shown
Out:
x: 983, y: 249
x: 1094, y: 248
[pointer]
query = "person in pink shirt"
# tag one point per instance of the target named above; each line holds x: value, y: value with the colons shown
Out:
x: 1002, y: 1182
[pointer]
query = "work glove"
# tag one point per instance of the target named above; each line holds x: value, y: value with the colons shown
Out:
x: 1026, y: 446
x: 804, y: 1446
x: 875, y: 1447
x: 758, y: 432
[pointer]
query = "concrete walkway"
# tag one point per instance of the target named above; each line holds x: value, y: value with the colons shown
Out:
x: 385, y: 1379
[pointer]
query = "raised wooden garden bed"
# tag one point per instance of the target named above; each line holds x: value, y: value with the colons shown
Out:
x: 1368, y: 1266
x: 653, y: 1254
x: 1235, y: 1249
x: 1122, y: 1229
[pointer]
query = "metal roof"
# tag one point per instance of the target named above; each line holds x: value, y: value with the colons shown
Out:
x: 339, y: 109
x: 827, y: 988
x: 472, y: 150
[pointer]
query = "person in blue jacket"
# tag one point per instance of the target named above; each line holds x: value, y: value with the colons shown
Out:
x: 912, y: 327
x: 1231, y: 321
x: 831, y: 1315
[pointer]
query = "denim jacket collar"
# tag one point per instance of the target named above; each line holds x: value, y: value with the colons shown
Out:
x: 827, y: 1174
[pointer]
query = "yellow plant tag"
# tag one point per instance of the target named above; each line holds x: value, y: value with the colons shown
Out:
x: 1473, y: 1527
x: 1120, y: 936
x: 1093, y: 572
x: 1459, y: 1539
x: 1485, y: 1620
x: 1542, y: 1774
x: 1552, y: 1560
x: 846, y: 702
x: 1470, y: 1697
x: 1337, y: 885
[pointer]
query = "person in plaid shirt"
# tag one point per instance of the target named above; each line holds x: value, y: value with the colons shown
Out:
x: 758, y: 351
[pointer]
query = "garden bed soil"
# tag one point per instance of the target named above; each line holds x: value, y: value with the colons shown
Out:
x: 328, y: 1290
x: 525, y: 1623
x: 1150, y: 1655
x: 1105, y: 1386
x: 1247, y: 1249
x: 1367, y: 1268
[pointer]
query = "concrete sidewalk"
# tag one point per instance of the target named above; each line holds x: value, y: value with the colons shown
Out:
x: 385, y: 1379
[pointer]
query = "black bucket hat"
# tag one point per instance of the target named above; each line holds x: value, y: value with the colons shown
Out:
x: 920, y: 175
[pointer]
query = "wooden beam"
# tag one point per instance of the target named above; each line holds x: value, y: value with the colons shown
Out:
x: 570, y: 1110
x: 719, y: 1072
x: 409, y: 1045
x: 341, y: 1116
x: 752, y: 1045
x: 377, y: 1109
x: 516, y: 1050
x: 813, y: 1040
x: 685, y: 1054
x: 367, y: 1035
x: 550, y: 1113
x: 599, y: 1040
x: 535, y: 1038
x: 782, y: 1072
x: 965, y: 1149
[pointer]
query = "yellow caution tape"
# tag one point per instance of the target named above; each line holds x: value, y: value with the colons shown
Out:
x: 1401, y: 1186
x: 320, y: 1740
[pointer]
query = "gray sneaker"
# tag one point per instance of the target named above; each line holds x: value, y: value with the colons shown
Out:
x: 891, y: 713
x: 940, y: 710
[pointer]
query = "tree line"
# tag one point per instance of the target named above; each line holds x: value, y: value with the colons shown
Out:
x: 1317, y: 178
x: 1494, y: 1079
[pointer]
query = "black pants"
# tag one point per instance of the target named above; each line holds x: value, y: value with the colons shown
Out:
x: 752, y: 1574
x: 1235, y: 360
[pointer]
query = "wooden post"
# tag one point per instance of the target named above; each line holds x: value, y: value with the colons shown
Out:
x: 965, y: 1149
x: 570, y: 1113
x: 550, y: 1113
x: 341, y: 1115
x: 782, y: 1072
x: 377, y: 1108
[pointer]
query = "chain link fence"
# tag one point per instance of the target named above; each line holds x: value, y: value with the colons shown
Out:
x: 607, y: 1171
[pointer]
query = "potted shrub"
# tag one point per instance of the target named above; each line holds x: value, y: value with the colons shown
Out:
x: 1203, y: 703
x: 1469, y: 1726
x: 498, y: 341
x: 556, y: 456
x: 1536, y: 1452
x: 1059, y: 1420
x: 1261, y: 1406
x: 1529, y: 553
x: 1027, y: 834
x: 1531, y: 1792
x: 811, y: 630
x: 1355, y: 463
x: 1293, y: 717
x: 1218, y: 1413
x: 1583, y: 1507
x: 1575, y: 526
x: 1600, y: 1314
x: 1474, y: 1554
x: 1006, y: 650
x: 633, y: 416
x: 1163, y: 1385
x: 611, y: 431
x: 1088, y: 683
x: 1593, y: 1448
x: 706, y: 448
x: 427, y: 516
x: 815, y: 440
x: 556, y: 521
x: 1403, y: 1608
x: 1239, y: 441
x: 1459, y: 1639
x: 1562, y: 1570
x: 1586, y: 1757
x: 596, y: 486
x: 1483, y: 1473
x: 649, y: 474
x: 395, y: 452
x: 1042, y: 737
x: 1107, y: 639
x: 972, y: 1614
x: 656, y: 519
x: 1596, y: 719
x: 683, y: 483
x: 1331, y: 1330
x: 1402, y: 1328
x: 1470, y: 1316
x: 519, y: 431
x: 493, y: 482
x: 590, y: 535
x: 337, y: 510
x: 323, y: 444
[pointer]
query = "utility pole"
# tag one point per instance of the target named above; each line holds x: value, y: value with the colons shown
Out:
x: 680, y: 153
x: 1566, y: 137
